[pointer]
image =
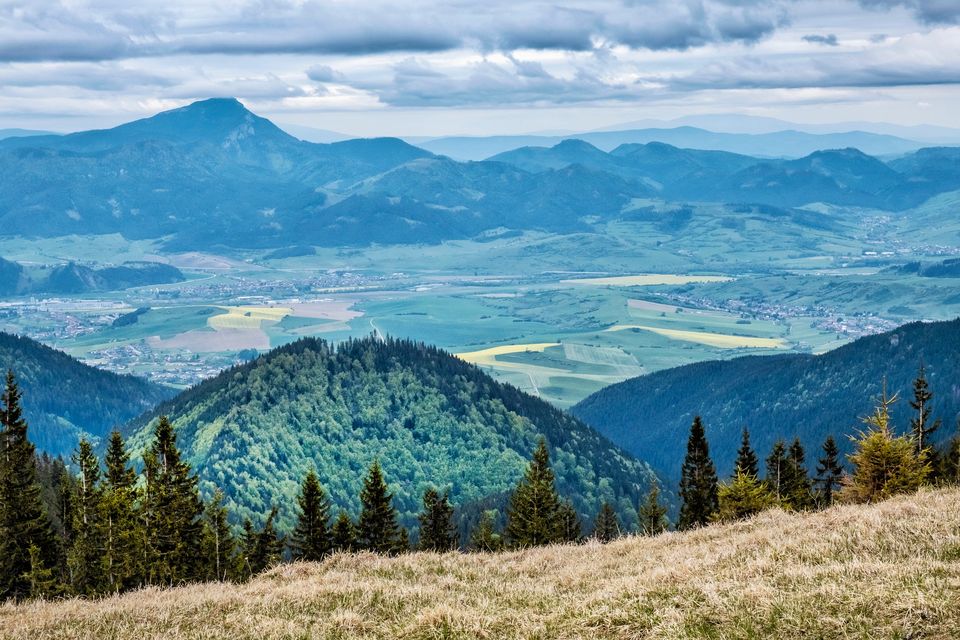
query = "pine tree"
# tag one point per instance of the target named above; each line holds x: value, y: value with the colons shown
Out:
x: 377, y: 528
x: 533, y: 516
x: 122, y: 535
x: 829, y: 473
x: 921, y: 426
x: 747, y: 461
x: 23, y: 520
x: 311, y: 537
x: 86, y: 554
x: 797, y: 491
x: 40, y: 577
x: 248, y: 547
x: 344, y: 534
x: 607, y: 526
x: 777, y: 470
x: 218, y: 543
x: 950, y: 462
x: 267, y: 546
x: 570, y: 528
x: 484, y: 536
x: 698, y: 481
x: 743, y: 497
x: 173, y: 510
x: 884, y: 464
x: 436, y: 522
x: 652, y: 514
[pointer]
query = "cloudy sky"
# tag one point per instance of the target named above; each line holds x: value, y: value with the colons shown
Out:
x: 431, y: 67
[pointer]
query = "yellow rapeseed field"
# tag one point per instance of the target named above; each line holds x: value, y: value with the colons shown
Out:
x: 489, y: 356
x: 720, y: 340
x: 247, y: 317
x: 890, y: 570
x: 647, y: 279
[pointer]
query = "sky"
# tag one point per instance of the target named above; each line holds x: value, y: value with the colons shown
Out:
x: 432, y: 67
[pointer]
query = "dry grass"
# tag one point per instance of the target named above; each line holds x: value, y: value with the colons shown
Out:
x: 720, y: 340
x: 885, y: 571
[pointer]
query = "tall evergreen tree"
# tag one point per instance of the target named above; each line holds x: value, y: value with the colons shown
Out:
x: 829, y: 473
x: 570, y: 528
x: 174, y: 510
x: 950, y: 461
x: 778, y: 470
x: 747, y: 461
x: 484, y: 536
x: 652, y: 514
x: 218, y: 543
x: 377, y: 528
x: 23, y: 519
x: 122, y: 535
x: 698, y: 481
x: 607, y: 526
x: 436, y: 522
x: 344, y: 533
x: 797, y: 491
x: 267, y: 545
x: 533, y: 516
x: 311, y: 539
x: 921, y: 425
x: 743, y: 497
x: 86, y: 554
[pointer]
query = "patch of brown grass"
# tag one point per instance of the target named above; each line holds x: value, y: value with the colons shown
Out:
x: 890, y: 570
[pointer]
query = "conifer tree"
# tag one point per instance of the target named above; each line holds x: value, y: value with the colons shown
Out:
x: 921, y: 425
x: 829, y: 473
x: 311, y: 538
x: 174, y: 509
x: 122, y: 535
x: 40, y: 578
x: 218, y: 543
x: 86, y: 553
x: 377, y: 528
x: 950, y: 462
x: 403, y: 541
x: 698, y: 481
x: 743, y: 497
x: 267, y: 545
x: 533, y: 516
x: 436, y: 522
x: 248, y: 547
x: 747, y: 460
x: 652, y: 514
x: 570, y: 528
x: 344, y: 533
x: 797, y: 491
x: 884, y: 464
x: 777, y: 470
x: 484, y: 536
x: 607, y: 526
x: 23, y: 519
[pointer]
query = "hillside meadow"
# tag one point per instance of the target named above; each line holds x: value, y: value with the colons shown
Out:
x: 890, y: 570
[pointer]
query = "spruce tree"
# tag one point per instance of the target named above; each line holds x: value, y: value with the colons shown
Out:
x: 950, y: 462
x: 23, y: 519
x: 311, y: 537
x: 484, y: 536
x: 797, y: 488
x: 86, y: 553
x: 698, y: 481
x: 267, y: 545
x: 778, y: 470
x: 570, y: 528
x: 436, y: 522
x: 921, y: 425
x: 607, y: 526
x: 743, y: 497
x: 533, y: 515
x: 829, y: 473
x: 343, y: 533
x: 377, y: 528
x: 652, y: 514
x: 218, y: 543
x: 747, y: 461
x: 122, y: 535
x: 174, y: 510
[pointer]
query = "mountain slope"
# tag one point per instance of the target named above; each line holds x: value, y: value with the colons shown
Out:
x: 64, y: 398
x: 779, y: 396
x: 887, y: 570
x: 256, y: 429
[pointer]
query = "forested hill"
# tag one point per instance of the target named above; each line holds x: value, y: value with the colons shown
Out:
x: 430, y: 418
x: 63, y: 397
x: 779, y: 397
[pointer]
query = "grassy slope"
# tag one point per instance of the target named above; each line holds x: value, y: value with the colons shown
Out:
x: 885, y: 571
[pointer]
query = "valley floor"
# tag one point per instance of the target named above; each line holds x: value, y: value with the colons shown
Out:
x: 884, y: 571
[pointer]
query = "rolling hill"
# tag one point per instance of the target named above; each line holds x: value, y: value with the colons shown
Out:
x: 64, y: 398
x: 430, y: 418
x: 887, y: 570
x: 779, y: 396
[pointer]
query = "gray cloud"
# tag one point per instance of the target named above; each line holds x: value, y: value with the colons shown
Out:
x: 927, y: 11
x: 829, y: 40
x: 324, y: 73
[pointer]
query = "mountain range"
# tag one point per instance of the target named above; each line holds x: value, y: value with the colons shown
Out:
x: 18, y: 279
x: 213, y: 174
x: 779, y: 397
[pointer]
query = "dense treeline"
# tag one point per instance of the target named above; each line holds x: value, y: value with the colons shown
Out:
x: 67, y: 398
x: 432, y: 420
x: 778, y: 397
